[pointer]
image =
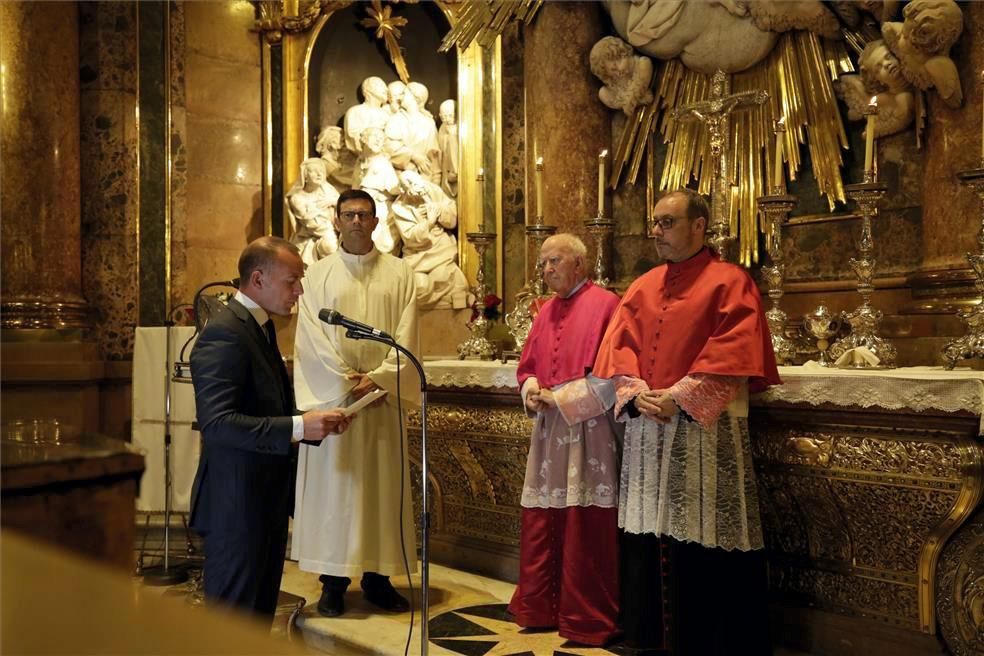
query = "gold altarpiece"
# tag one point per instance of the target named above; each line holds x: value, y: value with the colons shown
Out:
x: 296, y: 31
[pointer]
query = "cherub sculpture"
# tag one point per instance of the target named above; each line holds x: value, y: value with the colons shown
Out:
x: 922, y: 43
x: 881, y: 78
x: 626, y: 76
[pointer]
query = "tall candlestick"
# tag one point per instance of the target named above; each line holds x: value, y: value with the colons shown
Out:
x: 869, y: 133
x: 777, y: 168
x: 602, y: 156
x: 480, y: 179
x: 982, y: 124
x: 538, y: 180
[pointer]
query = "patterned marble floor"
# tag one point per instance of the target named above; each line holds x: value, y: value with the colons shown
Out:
x: 468, y: 618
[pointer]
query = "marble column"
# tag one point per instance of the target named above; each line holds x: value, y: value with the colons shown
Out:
x: 951, y: 212
x: 39, y: 138
x: 566, y: 124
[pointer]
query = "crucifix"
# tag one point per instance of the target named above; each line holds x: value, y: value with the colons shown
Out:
x: 715, y: 113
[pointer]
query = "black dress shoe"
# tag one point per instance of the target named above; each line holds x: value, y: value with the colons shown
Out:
x: 378, y: 591
x: 332, y: 602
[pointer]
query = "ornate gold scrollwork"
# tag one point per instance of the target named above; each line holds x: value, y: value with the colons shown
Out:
x: 477, y: 458
x: 858, y: 518
x: 809, y: 450
x: 960, y: 590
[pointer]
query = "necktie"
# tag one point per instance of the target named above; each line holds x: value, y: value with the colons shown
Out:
x: 272, y: 337
x: 288, y: 395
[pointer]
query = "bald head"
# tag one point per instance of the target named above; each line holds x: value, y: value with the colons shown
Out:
x: 270, y: 272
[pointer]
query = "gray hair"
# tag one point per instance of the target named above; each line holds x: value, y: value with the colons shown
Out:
x: 568, y: 241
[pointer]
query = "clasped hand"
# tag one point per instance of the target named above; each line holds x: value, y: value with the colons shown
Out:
x: 363, y: 386
x: 538, y: 400
x: 658, y: 405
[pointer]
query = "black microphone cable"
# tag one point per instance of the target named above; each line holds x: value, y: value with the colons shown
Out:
x: 404, y: 461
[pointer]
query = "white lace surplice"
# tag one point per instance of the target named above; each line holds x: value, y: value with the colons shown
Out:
x: 691, y: 482
x: 573, y: 459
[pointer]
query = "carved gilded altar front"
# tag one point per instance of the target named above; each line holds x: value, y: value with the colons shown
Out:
x: 477, y: 446
x: 873, y: 516
x: 858, y: 505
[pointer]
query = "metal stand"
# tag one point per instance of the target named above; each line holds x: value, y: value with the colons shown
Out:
x: 865, y: 319
x: 971, y: 345
x: 169, y: 573
x: 424, y: 511
x: 520, y: 319
x: 478, y: 344
x: 776, y: 208
x: 600, y: 228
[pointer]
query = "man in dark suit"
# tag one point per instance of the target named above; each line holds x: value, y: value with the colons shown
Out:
x: 242, y: 494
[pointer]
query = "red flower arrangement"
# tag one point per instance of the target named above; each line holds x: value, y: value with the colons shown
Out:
x: 492, y: 303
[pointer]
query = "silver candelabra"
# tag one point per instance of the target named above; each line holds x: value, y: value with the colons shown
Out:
x: 478, y: 345
x: 864, y: 320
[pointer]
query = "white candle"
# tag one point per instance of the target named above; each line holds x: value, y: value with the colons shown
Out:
x: 602, y: 156
x: 539, y: 186
x: 777, y: 168
x: 869, y: 134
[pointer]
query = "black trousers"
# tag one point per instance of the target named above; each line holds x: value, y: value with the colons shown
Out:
x: 244, y: 571
x: 685, y: 599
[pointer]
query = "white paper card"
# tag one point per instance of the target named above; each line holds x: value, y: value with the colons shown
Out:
x: 363, y: 402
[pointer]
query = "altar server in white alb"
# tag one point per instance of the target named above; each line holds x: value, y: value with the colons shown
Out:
x: 347, y: 511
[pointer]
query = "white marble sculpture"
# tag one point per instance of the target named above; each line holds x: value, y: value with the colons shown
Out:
x: 376, y: 176
x: 730, y: 35
x: 881, y: 77
x: 394, y: 96
x: 424, y: 214
x: 411, y: 138
x: 311, y: 206
x: 421, y: 93
x: 447, y: 141
x: 882, y: 10
x: 922, y: 43
x: 339, y: 160
x: 370, y: 113
x: 626, y: 75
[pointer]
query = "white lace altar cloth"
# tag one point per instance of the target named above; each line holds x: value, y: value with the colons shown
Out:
x: 472, y: 373
x: 906, y: 388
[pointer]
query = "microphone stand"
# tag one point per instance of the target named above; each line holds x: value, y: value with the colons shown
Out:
x: 424, y: 512
x: 169, y: 573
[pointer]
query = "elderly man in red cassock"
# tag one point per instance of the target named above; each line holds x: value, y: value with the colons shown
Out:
x: 687, y: 342
x: 568, y: 558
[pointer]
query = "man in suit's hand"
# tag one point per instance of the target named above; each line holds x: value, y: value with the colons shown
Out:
x: 318, y: 424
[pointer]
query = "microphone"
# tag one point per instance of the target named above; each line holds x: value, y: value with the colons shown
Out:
x: 338, y: 319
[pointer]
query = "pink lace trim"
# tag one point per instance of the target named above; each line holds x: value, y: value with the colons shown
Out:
x: 705, y: 396
x: 626, y: 389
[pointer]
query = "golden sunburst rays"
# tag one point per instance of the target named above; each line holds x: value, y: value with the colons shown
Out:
x: 387, y: 27
x: 485, y: 20
x: 798, y: 76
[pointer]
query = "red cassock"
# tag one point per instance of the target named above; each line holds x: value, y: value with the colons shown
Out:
x: 699, y: 316
x: 568, y: 572
x: 563, y: 342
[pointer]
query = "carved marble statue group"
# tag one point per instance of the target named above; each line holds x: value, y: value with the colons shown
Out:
x: 390, y: 146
